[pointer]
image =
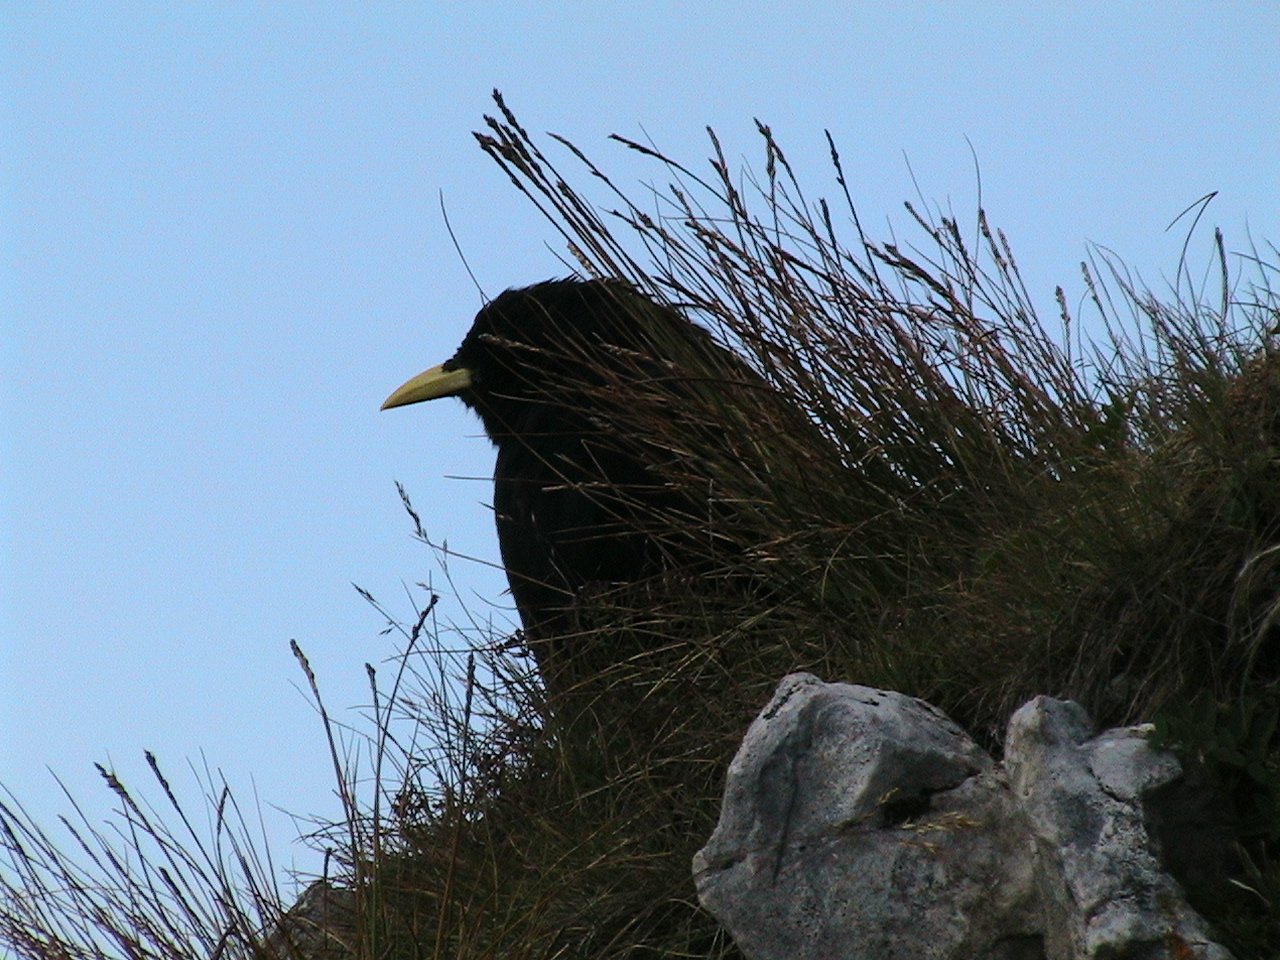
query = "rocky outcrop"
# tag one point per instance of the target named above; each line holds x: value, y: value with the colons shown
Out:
x: 321, y: 925
x: 860, y: 823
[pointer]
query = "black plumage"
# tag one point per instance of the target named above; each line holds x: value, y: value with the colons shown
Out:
x: 573, y: 381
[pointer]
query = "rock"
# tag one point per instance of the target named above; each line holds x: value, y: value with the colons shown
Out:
x: 321, y: 925
x: 1104, y: 888
x: 849, y: 815
x: 861, y: 823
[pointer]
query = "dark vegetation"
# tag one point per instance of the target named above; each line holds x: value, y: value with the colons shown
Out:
x: 942, y: 493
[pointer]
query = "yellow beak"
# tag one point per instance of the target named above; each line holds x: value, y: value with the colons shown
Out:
x: 428, y: 385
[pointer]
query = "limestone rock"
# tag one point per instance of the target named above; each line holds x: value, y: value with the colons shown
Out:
x: 319, y: 926
x: 1105, y: 890
x: 861, y: 823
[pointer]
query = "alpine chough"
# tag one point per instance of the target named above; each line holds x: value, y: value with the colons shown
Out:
x: 569, y: 378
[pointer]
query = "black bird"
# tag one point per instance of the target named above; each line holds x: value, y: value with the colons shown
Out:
x: 567, y: 377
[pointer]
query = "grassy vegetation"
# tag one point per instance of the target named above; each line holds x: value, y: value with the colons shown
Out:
x: 940, y: 492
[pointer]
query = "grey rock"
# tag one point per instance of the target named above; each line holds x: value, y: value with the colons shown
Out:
x: 861, y: 823
x: 321, y: 925
x: 848, y: 813
x: 1104, y: 888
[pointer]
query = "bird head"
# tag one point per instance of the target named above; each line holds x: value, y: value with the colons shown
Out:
x: 551, y: 344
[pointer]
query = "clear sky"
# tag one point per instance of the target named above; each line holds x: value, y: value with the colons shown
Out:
x: 223, y: 246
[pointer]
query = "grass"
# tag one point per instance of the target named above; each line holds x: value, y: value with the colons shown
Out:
x: 938, y: 492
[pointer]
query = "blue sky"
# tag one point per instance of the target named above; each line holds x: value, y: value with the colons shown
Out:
x: 223, y: 246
